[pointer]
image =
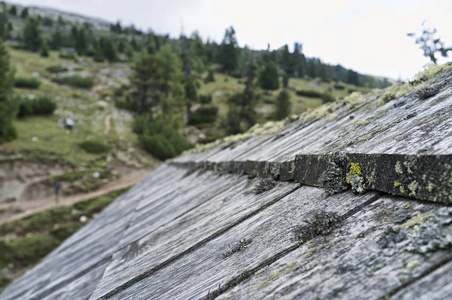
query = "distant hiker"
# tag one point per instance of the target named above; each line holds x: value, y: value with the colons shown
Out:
x: 56, y: 189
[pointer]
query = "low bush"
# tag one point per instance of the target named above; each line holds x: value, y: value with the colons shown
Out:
x: 210, y: 76
x: 94, y: 147
x: 327, y: 97
x: 339, y: 86
x: 160, y: 137
x: 67, y: 55
x: 268, y: 101
x: 35, y: 236
x: 28, y: 250
x: 35, y: 107
x: 27, y: 82
x: 205, y: 99
x: 10, y: 135
x: 56, y: 69
x: 127, y: 104
x: 76, y: 81
x: 205, y: 114
x: 309, y: 93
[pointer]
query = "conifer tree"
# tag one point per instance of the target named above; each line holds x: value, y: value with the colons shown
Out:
x: 4, y: 23
x: 32, y: 34
x: 283, y: 105
x: 24, y: 13
x: 268, y: 77
x: 8, y: 108
x: 228, y: 52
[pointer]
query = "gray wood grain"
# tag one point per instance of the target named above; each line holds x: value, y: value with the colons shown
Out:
x: 349, y: 263
x: 271, y: 231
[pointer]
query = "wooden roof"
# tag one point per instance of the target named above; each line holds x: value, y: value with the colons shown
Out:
x: 349, y: 201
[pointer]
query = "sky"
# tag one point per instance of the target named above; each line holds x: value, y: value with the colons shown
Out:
x: 368, y: 36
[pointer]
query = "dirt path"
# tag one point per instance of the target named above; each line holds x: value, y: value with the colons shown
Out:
x: 30, y: 207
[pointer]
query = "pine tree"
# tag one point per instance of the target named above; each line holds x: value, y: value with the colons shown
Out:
x: 299, y: 61
x: 283, y: 105
x: 24, y: 13
x: 44, y: 49
x: 268, y: 77
x: 4, y: 23
x: 8, y: 108
x: 107, y: 49
x: 13, y: 10
x: 79, y: 39
x: 158, y: 81
x: 56, y: 40
x: 228, y: 51
x: 32, y: 34
x: 242, y: 105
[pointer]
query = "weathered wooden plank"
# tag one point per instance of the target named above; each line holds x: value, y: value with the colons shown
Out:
x: 169, y: 204
x: 80, y: 288
x: 368, y: 257
x: 89, y: 247
x: 434, y: 286
x: 228, y: 203
x: 246, y: 245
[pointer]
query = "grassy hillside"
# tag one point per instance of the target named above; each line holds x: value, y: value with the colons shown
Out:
x: 44, y: 140
x: 24, y: 242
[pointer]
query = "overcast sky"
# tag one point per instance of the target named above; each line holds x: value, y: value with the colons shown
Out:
x: 368, y: 36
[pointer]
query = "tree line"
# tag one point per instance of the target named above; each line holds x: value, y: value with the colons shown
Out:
x: 167, y: 73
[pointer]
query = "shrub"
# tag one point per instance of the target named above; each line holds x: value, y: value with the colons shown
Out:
x: 158, y: 146
x: 268, y: 101
x: 159, y: 136
x: 210, y: 77
x: 38, y: 106
x: 10, y: 135
x: 94, y: 147
x: 127, y: 104
x: 76, y: 81
x: 327, y: 97
x: 28, y: 250
x: 339, y: 86
x: 56, y: 69
x: 44, y: 49
x: 205, y: 99
x: 27, y: 82
x: 309, y: 93
x: 283, y: 105
x: 206, y: 114
x: 67, y: 55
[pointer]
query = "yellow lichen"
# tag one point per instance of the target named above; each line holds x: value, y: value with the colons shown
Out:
x: 430, y: 187
x: 398, y: 168
x: 407, y: 165
x: 396, y: 183
x: 354, y: 99
x: 355, y: 170
x: 333, y: 117
x: 417, y: 220
x: 413, y: 187
x: 430, y: 71
x: 412, y: 264
x: 360, y: 122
